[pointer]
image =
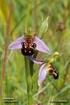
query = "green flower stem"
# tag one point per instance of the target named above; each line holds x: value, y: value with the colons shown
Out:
x: 28, y: 70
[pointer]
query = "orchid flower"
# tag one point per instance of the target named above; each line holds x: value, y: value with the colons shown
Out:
x: 44, y: 71
x: 29, y: 44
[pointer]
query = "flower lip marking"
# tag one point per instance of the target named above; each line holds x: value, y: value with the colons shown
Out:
x: 53, y: 72
x: 28, y: 47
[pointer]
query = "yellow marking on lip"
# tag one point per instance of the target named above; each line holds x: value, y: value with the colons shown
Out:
x: 29, y: 51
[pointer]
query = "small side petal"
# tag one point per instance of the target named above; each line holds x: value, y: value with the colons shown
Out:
x: 42, y: 74
x: 41, y: 46
x: 16, y: 44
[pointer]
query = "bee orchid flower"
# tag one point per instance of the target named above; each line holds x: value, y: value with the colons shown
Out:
x: 46, y: 70
x: 28, y: 45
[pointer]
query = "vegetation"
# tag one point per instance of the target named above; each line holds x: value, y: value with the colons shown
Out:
x: 50, y: 20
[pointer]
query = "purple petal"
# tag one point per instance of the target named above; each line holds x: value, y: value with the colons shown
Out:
x: 41, y: 46
x: 16, y: 44
x: 42, y: 74
x: 36, y: 60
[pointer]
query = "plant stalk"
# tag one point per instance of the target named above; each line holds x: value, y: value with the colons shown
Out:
x: 6, y: 37
x: 28, y: 80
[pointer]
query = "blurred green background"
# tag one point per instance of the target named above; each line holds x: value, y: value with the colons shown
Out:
x: 19, y: 16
